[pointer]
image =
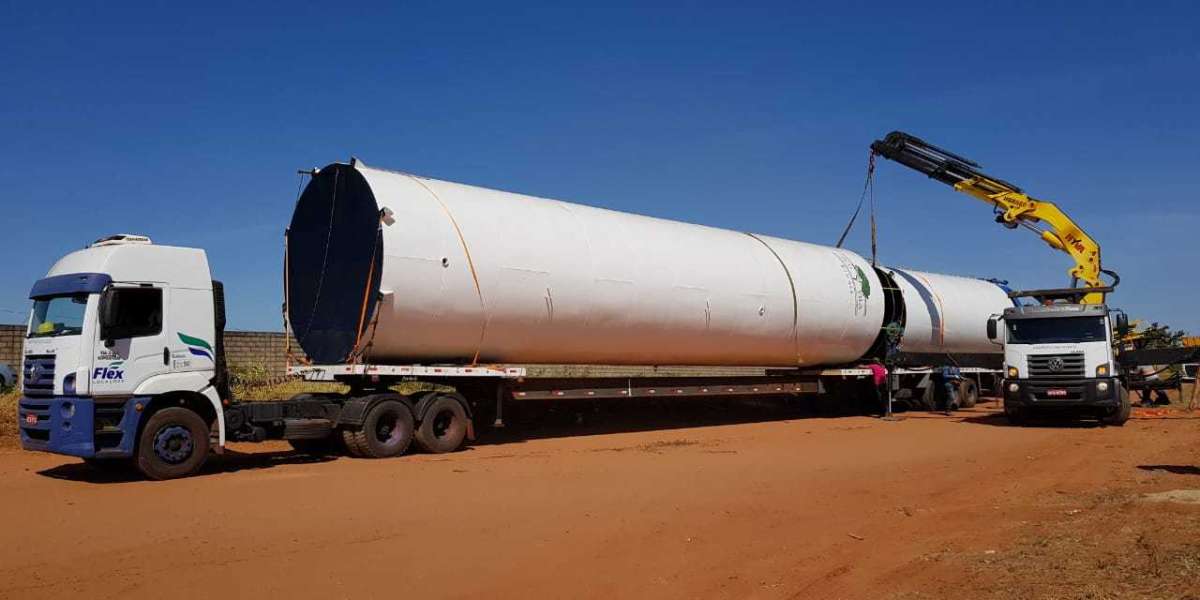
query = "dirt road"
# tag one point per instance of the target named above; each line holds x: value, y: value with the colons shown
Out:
x: 852, y: 507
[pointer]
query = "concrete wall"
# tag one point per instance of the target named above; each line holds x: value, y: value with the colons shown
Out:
x: 11, y: 338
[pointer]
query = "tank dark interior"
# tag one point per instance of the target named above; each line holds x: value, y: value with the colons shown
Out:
x: 334, y: 255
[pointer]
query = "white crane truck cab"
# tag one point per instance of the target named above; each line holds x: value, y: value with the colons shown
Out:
x: 1059, y: 358
x: 121, y: 354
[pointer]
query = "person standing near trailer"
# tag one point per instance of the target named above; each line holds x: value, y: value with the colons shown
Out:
x: 879, y: 375
x: 1194, y: 403
x: 948, y: 378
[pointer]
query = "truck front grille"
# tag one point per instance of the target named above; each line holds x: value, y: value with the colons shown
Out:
x: 1056, y: 366
x: 39, y: 375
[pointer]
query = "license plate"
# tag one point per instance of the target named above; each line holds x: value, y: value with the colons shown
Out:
x: 31, y: 419
x: 1057, y: 393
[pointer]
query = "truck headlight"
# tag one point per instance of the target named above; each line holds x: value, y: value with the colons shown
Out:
x: 1012, y: 387
x: 1102, y: 370
x: 1012, y: 373
x: 1102, y: 387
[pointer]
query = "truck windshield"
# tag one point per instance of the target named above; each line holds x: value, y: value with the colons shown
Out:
x: 58, y: 315
x: 1057, y: 330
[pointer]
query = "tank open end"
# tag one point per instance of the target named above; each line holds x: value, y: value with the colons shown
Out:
x: 334, y: 255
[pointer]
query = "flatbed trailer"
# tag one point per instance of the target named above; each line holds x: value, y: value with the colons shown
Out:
x: 495, y: 385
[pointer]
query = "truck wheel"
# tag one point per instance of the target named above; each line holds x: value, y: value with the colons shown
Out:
x: 387, y: 431
x: 174, y: 443
x: 1120, y: 414
x: 968, y: 393
x: 350, y: 443
x: 444, y: 426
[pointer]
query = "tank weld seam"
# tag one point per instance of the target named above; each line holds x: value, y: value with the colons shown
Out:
x: 795, y: 299
x: 470, y: 265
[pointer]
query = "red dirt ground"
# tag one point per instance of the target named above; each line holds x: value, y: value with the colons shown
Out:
x: 853, y: 507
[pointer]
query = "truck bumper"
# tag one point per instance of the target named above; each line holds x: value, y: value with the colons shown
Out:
x: 79, y: 426
x: 1090, y: 393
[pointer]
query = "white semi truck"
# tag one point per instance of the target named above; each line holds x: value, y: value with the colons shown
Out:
x: 392, y: 277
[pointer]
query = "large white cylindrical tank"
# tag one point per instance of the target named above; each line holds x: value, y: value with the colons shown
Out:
x: 945, y: 314
x: 392, y: 267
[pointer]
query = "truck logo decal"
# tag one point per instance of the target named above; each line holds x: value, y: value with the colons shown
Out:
x: 197, y: 346
x: 113, y: 372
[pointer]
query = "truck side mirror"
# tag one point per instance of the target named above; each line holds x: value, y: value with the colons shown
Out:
x: 108, y: 316
x: 991, y: 329
x: 1122, y: 324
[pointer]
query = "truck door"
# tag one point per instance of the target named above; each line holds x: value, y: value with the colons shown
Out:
x: 132, y: 344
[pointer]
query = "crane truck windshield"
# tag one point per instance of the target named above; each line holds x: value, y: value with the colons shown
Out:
x: 58, y: 315
x: 1057, y: 330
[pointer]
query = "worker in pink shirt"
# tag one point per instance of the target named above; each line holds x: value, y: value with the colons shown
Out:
x: 879, y: 375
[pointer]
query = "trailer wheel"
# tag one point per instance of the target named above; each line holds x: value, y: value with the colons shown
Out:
x: 387, y: 431
x: 1120, y: 414
x: 444, y: 426
x: 350, y: 442
x: 174, y: 443
x: 968, y: 393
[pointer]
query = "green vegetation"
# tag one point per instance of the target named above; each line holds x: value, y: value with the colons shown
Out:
x: 255, y: 384
x: 1157, y: 335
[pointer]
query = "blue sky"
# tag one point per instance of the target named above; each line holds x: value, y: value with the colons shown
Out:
x: 187, y: 122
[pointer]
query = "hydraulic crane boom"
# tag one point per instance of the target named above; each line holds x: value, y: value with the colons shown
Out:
x: 1013, y: 207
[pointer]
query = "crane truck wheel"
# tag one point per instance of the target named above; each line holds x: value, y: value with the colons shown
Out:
x: 1120, y: 414
x: 968, y: 394
x: 444, y: 426
x: 387, y: 431
x: 174, y: 443
x: 1015, y: 415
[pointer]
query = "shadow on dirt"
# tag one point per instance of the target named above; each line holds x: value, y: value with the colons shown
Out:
x: 1174, y: 469
x: 529, y: 420
x: 997, y: 419
x: 229, y: 462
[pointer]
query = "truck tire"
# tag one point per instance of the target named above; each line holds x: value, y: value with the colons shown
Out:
x: 968, y: 393
x: 1015, y: 415
x: 174, y: 443
x: 350, y: 442
x: 444, y: 426
x: 1119, y: 415
x: 387, y: 431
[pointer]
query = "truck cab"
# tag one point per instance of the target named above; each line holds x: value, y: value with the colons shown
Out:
x: 121, y: 331
x: 1059, y: 358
